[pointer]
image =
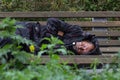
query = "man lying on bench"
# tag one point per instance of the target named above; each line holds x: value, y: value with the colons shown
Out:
x: 74, y: 38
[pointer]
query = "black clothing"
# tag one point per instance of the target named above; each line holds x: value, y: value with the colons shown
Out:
x: 72, y: 33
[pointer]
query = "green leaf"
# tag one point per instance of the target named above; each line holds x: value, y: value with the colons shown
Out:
x: 5, y: 49
x: 42, y: 52
x: 22, y: 56
x: 43, y: 47
x: 62, y: 51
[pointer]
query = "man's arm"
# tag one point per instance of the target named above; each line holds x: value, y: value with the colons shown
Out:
x: 57, y: 25
x: 60, y: 27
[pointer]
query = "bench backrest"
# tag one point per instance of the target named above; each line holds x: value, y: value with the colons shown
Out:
x: 104, y: 24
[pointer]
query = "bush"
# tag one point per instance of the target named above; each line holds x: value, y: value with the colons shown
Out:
x: 59, y: 5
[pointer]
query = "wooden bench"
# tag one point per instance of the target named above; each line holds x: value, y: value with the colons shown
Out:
x: 109, y: 36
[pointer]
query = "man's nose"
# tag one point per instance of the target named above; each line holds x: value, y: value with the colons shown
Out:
x: 83, y: 48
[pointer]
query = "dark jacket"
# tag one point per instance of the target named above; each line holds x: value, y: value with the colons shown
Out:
x: 72, y: 33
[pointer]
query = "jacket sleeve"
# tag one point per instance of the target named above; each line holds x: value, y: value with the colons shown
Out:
x: 4, y: 41
x: 54, y: 25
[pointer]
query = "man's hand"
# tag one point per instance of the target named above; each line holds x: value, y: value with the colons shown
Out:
x: 60, y: 33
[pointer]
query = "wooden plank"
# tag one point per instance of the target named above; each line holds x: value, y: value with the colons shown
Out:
x: 83, y: 59
x: 110, y: 49
x: 109, y: 24
x: 46, y: 14
x: 96, y: 24
x: 105, y: 33
x: 89, y: 24
x: 109, y: 42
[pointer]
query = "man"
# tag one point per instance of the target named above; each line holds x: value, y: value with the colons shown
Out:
x: 74, y: 38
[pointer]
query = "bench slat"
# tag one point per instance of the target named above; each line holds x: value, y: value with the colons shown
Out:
x: 106, y: 33
x: 82, y: 59
x: 92, y: 24
x: 109, y: 42
x: 110, y: 49
x: 96, y: 24
x: 46, y: 14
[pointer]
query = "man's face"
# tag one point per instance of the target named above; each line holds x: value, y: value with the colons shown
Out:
x: 83, y: 47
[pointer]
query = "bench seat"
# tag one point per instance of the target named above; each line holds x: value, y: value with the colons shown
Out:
x: 108, y: 32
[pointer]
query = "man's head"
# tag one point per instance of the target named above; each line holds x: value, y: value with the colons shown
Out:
x: 83, y: 47
x: 88, y: 45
